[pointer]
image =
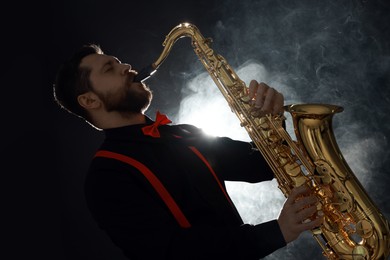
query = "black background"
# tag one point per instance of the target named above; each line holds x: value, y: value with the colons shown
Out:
x: 318, y: 51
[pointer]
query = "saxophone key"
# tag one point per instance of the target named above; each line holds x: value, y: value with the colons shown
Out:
x: 364, y: 228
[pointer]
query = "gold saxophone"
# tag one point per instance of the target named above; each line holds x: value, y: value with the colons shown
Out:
x: 353, y: 227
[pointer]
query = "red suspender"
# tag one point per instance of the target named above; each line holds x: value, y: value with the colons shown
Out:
x: 154, y: 181
x: 196, y: 151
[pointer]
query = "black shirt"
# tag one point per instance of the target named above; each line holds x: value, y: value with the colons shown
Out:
x: 128, y: 208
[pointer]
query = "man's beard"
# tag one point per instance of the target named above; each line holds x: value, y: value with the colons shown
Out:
x: 128, y: 101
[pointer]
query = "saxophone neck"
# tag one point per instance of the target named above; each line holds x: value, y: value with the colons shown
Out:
x: 179, y: 31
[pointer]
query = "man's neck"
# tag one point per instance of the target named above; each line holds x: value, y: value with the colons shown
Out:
x: 114, y: 120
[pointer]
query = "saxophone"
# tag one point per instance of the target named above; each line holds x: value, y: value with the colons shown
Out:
x: 353, y: 227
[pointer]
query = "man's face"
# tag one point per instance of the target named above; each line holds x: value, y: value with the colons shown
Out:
x: 113, y: 82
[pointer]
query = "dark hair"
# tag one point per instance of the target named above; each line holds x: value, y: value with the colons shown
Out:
x: 72, y: 81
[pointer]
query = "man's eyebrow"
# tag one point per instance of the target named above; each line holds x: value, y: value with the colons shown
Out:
x: 108, y: 62
x: 105, y: 64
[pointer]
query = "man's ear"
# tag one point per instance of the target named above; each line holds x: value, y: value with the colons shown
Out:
x: 89, y: 100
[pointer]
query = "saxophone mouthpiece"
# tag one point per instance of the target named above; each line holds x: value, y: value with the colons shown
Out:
x: 145, y: 73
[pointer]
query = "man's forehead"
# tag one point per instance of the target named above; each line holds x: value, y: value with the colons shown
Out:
x: 93, y: 61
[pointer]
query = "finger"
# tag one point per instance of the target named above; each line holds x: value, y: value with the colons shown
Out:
x: 261, y: 90
x: 268, y: 100
x: 253, y: 85
x: 296, y: 192
x: 304, y: 202
x: 312, y: 224
x: 278, y: 108
x: 306, y: 213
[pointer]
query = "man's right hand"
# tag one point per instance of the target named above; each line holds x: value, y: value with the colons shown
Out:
x: 294, y: 217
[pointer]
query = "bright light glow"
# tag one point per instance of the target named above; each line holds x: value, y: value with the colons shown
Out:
x: 206, y: 108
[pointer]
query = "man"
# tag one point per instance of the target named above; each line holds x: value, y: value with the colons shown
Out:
x: 158, y: 189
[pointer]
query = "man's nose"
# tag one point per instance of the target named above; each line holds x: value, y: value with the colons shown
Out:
x: 126, y: 67
x: 128, y: 72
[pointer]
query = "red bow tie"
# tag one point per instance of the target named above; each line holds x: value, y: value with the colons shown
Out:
x: 152, y: 130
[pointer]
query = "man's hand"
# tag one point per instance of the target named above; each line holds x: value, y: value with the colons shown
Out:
x: 294, y: 217
x: 265, y: 100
